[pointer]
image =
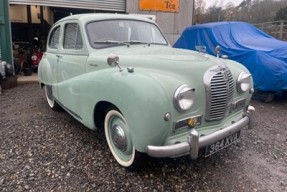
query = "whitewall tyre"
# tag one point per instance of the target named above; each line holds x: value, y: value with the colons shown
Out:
x: 119, y: 141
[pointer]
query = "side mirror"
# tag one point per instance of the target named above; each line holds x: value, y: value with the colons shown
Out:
x: 217, y: 50
x: 113, y: 60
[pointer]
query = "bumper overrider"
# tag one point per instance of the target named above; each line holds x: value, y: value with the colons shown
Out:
x: 195, y: 142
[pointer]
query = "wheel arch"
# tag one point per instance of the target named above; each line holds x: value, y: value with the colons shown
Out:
x: 145, y: 119
x: 100, y: 111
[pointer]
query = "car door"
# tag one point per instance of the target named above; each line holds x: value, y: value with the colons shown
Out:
x: 72, y: 64
x: 51, y: 56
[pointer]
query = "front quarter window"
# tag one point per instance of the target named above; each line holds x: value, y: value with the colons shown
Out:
x: 120, y: 32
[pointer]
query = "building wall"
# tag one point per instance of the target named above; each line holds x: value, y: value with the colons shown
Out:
x: 107, y: 5
x: 172, y: 24
x: 18, y: 14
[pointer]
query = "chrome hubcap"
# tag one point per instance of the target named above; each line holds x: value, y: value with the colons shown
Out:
x: 119, y: 138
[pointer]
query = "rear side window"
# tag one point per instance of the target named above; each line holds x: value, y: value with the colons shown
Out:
x: 72, y: 37
x: 54, y: 38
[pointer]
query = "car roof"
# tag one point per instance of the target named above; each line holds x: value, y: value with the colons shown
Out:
x: 103, y: 16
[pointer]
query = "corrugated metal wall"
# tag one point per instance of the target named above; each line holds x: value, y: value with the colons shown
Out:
x: 172, y: 24
x: 108, y: 5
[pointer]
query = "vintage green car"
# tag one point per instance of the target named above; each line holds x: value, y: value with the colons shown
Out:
x: 119, y: 73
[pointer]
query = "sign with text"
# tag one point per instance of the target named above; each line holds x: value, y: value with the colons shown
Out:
x: 159, y: 5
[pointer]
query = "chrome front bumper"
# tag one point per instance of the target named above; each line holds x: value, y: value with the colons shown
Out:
x: 195, y: 142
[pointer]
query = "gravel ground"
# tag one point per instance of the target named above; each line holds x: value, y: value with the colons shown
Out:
x: 43, y: 150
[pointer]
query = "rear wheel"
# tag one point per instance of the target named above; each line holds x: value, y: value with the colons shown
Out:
x: 50, y: 99
x: 263, y: 96
x: 119, y: 141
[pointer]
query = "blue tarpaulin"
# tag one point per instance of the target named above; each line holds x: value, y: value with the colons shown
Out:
x: 264, y: 56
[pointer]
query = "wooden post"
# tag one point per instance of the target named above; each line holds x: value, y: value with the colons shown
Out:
x: 281, y: 30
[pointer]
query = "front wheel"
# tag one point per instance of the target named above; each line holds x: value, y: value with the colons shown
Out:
x: 119, y: 141
x: 50, y: 99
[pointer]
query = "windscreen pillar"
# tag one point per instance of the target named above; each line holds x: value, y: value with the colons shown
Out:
x: 5, y: 33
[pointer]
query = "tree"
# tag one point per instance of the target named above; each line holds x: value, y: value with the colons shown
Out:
x: 263, y: 11
x: 229, y: 11
x: 281, y: 14
x: 251, y: 11
x: 243, y: 10
x: 214, y: 14
x: 199, y: 11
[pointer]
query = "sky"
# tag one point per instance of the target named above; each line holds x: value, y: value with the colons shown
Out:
x: 218, y: 2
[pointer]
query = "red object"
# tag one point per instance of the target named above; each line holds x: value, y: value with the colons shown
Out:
x: 36, y: 58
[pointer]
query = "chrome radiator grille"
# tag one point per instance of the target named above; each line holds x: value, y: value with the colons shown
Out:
x: 219, y: 92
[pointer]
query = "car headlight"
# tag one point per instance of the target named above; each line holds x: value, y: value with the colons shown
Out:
x: 243, y: 82
x: 183, y: 97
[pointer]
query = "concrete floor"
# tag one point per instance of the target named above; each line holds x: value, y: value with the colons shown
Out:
x: 28, y: 79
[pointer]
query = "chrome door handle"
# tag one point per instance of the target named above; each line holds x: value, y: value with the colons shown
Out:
x: 93, y: 65
x: 59, y: 56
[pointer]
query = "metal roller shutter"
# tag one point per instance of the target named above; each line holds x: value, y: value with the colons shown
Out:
x: 108, y: 5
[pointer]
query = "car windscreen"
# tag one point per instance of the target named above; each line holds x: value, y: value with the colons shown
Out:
x: 110, y: 33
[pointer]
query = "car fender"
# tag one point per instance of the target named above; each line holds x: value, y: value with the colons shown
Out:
x: 139, y: 97
x: 45, y: 73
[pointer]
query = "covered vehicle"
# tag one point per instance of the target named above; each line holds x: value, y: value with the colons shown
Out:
x: 118, y: 73
x: 263, y: 55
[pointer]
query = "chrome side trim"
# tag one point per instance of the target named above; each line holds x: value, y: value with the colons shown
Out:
x: 68, y: 110
x: 195, y: 142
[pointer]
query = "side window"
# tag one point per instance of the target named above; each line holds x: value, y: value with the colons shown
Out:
x: 54, y: 38
x: 72, y: 37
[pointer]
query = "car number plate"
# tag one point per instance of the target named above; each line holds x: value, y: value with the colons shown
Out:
x: 217, y: 146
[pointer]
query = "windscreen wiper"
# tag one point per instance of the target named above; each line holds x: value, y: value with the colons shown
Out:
x: 133, y: 42
x: 112, y: 42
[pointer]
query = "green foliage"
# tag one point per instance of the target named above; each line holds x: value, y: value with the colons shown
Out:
x: 252, y: 11
x: 281, y: 14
